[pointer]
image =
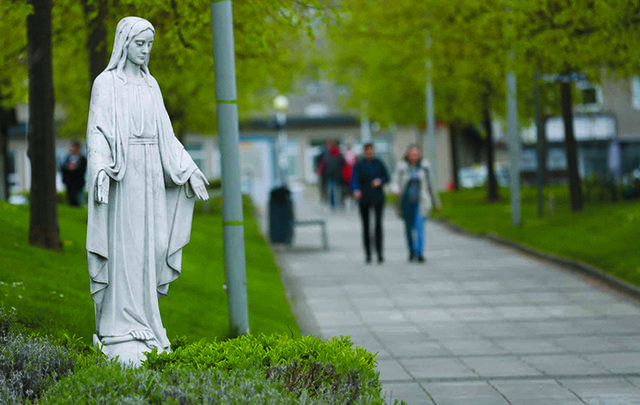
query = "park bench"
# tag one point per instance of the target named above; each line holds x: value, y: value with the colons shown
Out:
x: 314, y: 222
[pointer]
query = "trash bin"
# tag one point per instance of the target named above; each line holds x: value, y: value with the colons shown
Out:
x: 281, y: 215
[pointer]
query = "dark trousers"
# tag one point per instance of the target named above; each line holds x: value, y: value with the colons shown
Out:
x: 74, y: 195
x: 365, y: 209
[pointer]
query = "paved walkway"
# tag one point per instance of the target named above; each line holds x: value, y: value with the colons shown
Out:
x: 479, y: 324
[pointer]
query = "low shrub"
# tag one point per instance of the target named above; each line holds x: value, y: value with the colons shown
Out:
x: 114, y: 384
x: 264, y: 369
x: 29, y: 365
x: 331, y: 371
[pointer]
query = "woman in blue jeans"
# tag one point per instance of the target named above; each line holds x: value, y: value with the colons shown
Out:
x: 415, y: 187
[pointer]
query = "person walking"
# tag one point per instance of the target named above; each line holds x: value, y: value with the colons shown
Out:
x: 350, y: 160
x: 73, y: 170
x: 320, y: 165
x: 333, y: 171
x: 415, y: 187
x: 369, y: 176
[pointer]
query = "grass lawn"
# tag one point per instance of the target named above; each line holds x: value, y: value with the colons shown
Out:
x: 604, y: 235
x: 50, y: 290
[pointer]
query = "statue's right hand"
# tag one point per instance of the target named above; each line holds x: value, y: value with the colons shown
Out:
x: 102, y: 188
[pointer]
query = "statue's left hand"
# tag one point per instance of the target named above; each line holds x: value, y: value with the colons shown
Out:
x: 199, y: 185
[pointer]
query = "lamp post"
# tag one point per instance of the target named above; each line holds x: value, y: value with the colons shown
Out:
x: 430, y: 114
x: 365, y: 124
x: 281, y: 103
x: 232, y: 218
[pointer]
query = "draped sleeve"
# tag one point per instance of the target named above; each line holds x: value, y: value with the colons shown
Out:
x: 103, y: 154
x: 177, y: 166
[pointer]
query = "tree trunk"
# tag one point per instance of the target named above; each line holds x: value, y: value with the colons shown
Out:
x: 454, y: 130
x: 543, y: 147
x: 492, y: 183
x: 575, y: 185
x: 5, y: 122
x: 95, y: 15
x: 43, y: 227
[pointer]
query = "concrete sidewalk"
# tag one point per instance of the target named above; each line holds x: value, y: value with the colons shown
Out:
x: 479, y: 324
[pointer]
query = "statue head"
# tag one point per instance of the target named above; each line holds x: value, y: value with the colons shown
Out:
x: 133, y: 42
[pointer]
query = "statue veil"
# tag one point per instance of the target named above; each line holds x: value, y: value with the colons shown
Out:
x: 126, y: 30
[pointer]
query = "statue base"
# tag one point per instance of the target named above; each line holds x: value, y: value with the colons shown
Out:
x: 128, y: 352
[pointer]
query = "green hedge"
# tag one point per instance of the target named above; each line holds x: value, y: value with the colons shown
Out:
x: 114, y: 384
x: 264, y: 369
x: 334, y: 371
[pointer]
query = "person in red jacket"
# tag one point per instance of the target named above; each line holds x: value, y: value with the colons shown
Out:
x: 333, y: 172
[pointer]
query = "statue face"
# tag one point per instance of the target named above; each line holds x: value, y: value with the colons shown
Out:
x: 140, y: 47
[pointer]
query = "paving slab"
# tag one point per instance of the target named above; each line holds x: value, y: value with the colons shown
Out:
x: 437, y: 368
x: 479, y: 323
x: 411, y: 393
x: 604, y: 391
x: 530, y: 392
x: 464, y: 393
x: 500, y: 366
x: 564, y: 364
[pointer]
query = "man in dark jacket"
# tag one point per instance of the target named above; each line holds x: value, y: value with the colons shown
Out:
x: 369, y: 175
x: 73, y: 170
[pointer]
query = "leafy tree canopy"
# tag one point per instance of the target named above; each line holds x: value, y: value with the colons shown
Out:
x: 267, y: 35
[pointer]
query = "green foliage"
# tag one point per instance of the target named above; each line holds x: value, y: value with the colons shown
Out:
x: 252, y: 369
x: 111, y: 383
x: 266, y: 41
x: 266, y: 351
x: 380, y: 50
x: 333, y: 369
x: 13, y: 52
x: 603, y: 235
x: 29, y: 365
x: 265, y: 369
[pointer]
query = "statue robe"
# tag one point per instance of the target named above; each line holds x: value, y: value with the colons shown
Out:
x: 135, y: 241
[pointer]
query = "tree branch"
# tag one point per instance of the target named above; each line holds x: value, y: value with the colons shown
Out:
x: 174, y: 7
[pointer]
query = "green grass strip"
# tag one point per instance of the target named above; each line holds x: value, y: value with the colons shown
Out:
x: 233, y: 223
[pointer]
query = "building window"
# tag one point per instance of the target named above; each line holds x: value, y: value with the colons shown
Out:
x: 589, y: 96
x: 635, y: 92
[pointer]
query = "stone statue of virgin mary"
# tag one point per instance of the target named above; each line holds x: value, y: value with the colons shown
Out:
x: 142, y: 185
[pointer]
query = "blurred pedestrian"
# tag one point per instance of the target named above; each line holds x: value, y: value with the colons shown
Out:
x: 369, y: 177
x: 350, y: 159
x: 320, y: 164
x: 74, y: 167
x: 415, y: 187
x: 333, y: 172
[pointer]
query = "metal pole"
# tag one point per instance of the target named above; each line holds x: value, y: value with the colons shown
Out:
x: 431, y: 117
x: 365, y: 125
x: 539, y: 143
x: 283, y: 153
x: 514, y: 147
x: 431, y: 124
x: 227, y: 112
